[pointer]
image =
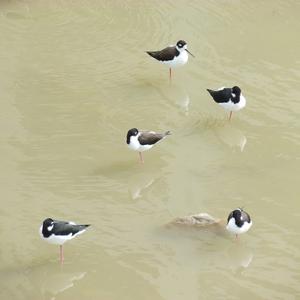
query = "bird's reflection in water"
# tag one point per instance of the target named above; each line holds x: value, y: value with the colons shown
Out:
x: 137, y: 187
x: 56, y: 283
x: 178, y: 96
x: 183, y: 101
x: 42, y: 281
x: 55, y: 279
x: 239, y: 257
x: 232, y: 137
x: 139, y: 183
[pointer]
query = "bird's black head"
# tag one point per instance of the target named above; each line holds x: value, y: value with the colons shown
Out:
x: 180, y: 44
x: 236, y: 90
x: 47, y: 226
x: 48, y: 222
x: 130, y: 133
x: 240, y: 217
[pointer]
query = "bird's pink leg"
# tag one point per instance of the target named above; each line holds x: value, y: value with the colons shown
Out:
x: 170, y: 72
x: 61, y: 254
x: 141, y: 157
x: 230, y: 115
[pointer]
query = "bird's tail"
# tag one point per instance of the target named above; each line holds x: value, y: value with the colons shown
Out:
x: 210, y: 91
x: 83, y: 227
x: 151, y: 53
x: 168, y: 133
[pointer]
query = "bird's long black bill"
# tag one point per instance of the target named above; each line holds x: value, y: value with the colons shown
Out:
x: 189, y: 52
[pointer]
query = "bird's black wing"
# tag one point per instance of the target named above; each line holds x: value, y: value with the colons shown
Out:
x: 164, y: 55
x: 65, y: 228
x: 150, y: 138
x: 221, y: 96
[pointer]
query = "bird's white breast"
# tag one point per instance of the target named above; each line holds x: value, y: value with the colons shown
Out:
x: 234, y: 106
x: 136, y: 146
x: 233, y: 228
x: 178, y: 61
x: 58, y: 239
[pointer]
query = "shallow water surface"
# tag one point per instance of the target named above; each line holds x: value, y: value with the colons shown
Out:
x: 74, y: 78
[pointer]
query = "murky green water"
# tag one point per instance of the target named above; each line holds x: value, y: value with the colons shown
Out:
x: 74, y: 78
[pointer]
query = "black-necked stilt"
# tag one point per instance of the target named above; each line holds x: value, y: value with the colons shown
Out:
x: 238, y: 222
x: 58, y: 232
x: 172, y: 56
x: 229, y: 98
x: 143, y: 140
